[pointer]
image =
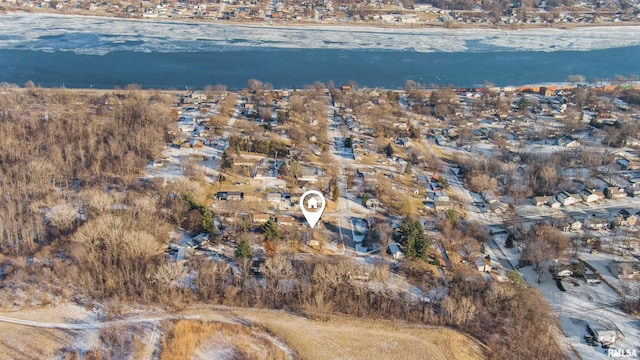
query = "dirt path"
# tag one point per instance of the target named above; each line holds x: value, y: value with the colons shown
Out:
x: 103, y: 324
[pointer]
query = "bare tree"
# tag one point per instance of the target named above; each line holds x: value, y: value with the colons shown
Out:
x: 542, y: 243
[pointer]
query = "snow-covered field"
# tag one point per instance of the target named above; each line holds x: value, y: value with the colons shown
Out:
x: 94, y: 35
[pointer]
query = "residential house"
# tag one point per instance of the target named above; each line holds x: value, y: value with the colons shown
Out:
x: 197, y: 240
x: 566, y: 199
x: 576, y: 196
x: 395, y: 251
x: 274, y: 198
x: 634, y: 189
x: 597, y: 223
x: 260, y: 218
x: 614, y: 192
x: 229, y: 195
x: 541, y: 200
x: 179, y: 141
x: 554, y: 203
x: 442, y: 205
x: 627, y: 164
x: 572, y: 224
x: 590, y: 195
x: 286, y: 220
x: 310, y: 174
x: 626, y: 217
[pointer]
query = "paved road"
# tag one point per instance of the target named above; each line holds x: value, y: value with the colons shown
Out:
x: 344, y: 206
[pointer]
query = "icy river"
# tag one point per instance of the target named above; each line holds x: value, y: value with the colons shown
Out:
x: 75, y: 51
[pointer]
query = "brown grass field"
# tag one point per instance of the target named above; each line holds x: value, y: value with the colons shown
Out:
x: 233, y: 333
x: 189, y: 339
x: 349, y: 338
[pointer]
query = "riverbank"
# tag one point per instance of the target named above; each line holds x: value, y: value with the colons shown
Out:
x: 304, y: 23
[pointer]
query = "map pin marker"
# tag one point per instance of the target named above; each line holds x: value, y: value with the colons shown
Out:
x: 312, y: 204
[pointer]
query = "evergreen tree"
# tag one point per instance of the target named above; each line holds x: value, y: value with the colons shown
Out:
x: 413, y: 239
x: 452, y: 216
x: 207, y: 221
x: 243, y: 251
x: 227, y: 161
x: 348, y: 142
x: 270, y: 230
x: 336, y: 193
x: 509, y: 244
x: 388, y: 150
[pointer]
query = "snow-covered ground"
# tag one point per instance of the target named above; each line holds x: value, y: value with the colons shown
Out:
x: 93, y: 35
x: 583, y: 304
x: 177, y: 158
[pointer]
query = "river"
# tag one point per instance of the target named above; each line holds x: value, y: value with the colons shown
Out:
x: 74, y: 51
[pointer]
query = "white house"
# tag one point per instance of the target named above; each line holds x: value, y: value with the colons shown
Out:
x: 572, y: 225
x: 565, y: 199
x: 395, y: 251
x: 554, y: 203
x: 589, y: 195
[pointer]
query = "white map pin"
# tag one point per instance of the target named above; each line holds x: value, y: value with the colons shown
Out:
x: 312, y: 204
